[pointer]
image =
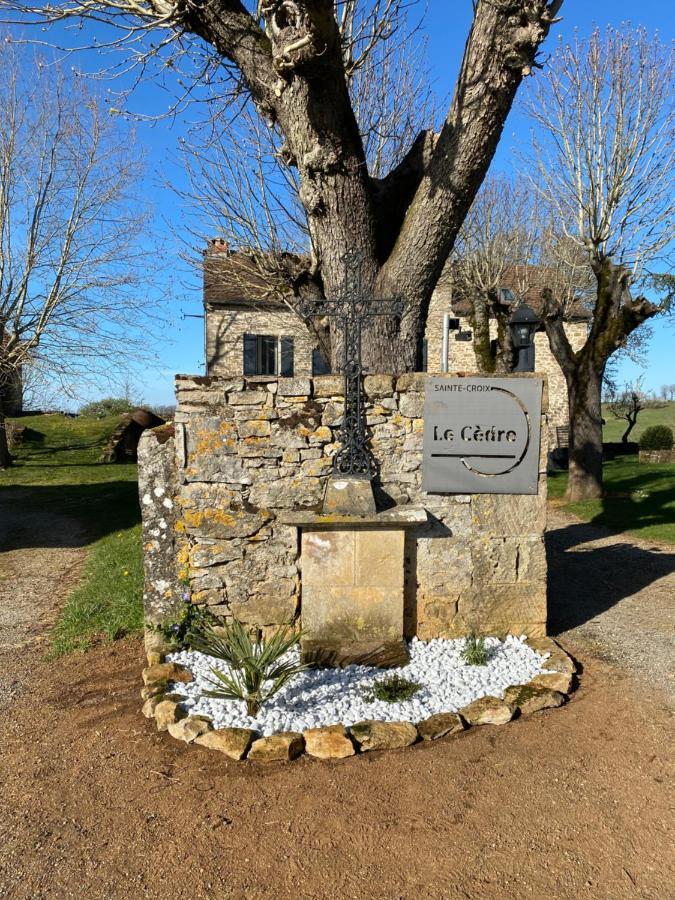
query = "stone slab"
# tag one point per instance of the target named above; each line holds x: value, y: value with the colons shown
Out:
x: 352, y: 594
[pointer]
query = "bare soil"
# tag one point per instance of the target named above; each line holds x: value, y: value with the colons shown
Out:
x: 569, y: 803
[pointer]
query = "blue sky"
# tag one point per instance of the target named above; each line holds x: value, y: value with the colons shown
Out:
x: 446, y: 26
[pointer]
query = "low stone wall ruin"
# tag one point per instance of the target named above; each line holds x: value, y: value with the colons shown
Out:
x: 245, y: 451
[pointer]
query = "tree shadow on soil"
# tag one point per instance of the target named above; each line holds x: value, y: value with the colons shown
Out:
x: 99, y: 509
x: 584, y: 583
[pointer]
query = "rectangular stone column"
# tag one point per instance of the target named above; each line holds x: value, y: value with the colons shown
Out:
x: 352, y: 597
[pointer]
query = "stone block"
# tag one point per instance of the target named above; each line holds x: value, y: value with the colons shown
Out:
x: 372, y: 735
x: 377, y: 386
x: 439, y: 726
x: 413, y: 382
x: 274, y: 606
x: 331, y: 742
x: 378, y: 560
x: 285, y: 745
x: 248, y: 398
x: 212, y: 553
x: 255, y: 428
x: 495, y: 609
x: 555, y: 681
x: 316, y: 468
x: 165, y: 672
x: 532, y: 560
x: 488, y: 711
x: 294, y: 387
x: 509, y: 515
x: 531, y: 698
x: 233, y: 742
x: 221, y: 524
x: 411, y: 405
x: 494, y: 560
x: 288, y: 493
x: 328, y: 559
x: 328, y: 385
x: 167, y: 712
x: 189, y: 728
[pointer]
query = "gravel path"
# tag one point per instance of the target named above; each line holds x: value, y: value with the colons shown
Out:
x: 614, y: 595
x: 40, y: 560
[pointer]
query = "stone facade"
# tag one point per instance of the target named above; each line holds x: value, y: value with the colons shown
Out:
x: 247, y: 451
x: 226, y: 326
x: 225, y: 329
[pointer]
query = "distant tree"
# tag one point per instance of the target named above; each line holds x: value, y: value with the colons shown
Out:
x: 69, y: 228
x: 627, y: 404
x: 604, y: 156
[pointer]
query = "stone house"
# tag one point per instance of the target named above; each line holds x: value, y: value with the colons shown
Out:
x: 250, y: 333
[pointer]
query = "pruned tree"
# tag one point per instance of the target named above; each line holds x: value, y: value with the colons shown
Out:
x: 69, y: 256
x: 604, y: 151
x: 496, y: 247
x: 627, y: 404
x: 240, y: 189
x: 293, y: 59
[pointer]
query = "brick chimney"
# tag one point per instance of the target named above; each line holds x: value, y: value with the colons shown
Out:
x: 218, y: 245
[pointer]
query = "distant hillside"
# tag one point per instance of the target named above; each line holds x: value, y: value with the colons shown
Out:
x: 614, y: 428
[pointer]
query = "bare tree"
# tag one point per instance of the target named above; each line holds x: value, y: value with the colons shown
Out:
x: 69, y: 256
x: 604, y: 150
x: 293, y: 59
x: 627, y: 404
x: 497, y: 244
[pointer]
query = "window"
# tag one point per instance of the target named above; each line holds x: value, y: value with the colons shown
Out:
x: 268, y: 354
x: 320, y: 365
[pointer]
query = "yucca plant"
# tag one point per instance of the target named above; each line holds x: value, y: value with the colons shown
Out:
x: 474, y: 651
x: 256, y: 670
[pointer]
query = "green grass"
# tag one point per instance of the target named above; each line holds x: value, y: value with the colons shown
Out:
x: 614, y: 428
x: 640, y: 499
x: 57, y: 470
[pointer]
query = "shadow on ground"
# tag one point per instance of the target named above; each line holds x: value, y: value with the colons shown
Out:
x: 584, y: 582
x: 99, y: 508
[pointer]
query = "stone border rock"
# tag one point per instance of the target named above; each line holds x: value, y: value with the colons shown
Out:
x: 162, y: 702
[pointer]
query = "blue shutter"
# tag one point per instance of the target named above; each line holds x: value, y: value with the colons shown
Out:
x: 286, y: 356
x: 250, y: 354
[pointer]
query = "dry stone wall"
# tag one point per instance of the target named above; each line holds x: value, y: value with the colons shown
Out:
x: 245, y: 451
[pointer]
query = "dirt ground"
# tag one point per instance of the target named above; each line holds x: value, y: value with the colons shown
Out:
x: 569, y: 803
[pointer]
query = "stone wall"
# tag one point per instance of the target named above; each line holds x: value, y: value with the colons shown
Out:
x: 247, y: 451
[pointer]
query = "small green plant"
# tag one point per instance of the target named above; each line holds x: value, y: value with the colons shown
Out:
x: 474, y: 651
x: 256, y: 668
x: 190, y: 622
x: 392, y: 689
x: 657, y: 437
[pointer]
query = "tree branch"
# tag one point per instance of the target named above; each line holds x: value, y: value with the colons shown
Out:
x: 555, y: 331
x: 501, y: 48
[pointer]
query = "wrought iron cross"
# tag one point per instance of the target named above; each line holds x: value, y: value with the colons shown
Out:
x: 352, y: 308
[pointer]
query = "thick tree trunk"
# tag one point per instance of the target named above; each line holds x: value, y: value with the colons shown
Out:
x: 615, y: 315
x: 405, y: 224
x: 585, y: 414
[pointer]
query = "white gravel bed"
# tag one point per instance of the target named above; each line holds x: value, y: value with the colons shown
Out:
x: 327, y: 696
